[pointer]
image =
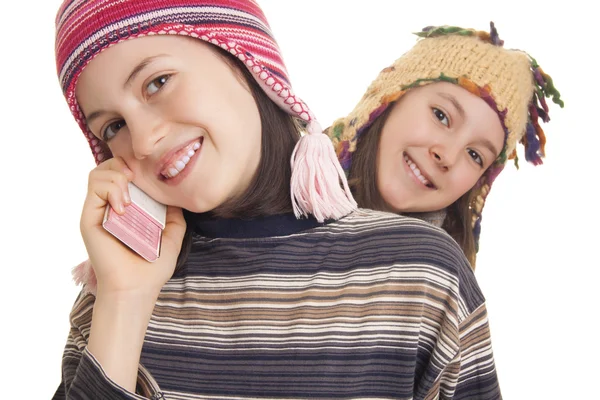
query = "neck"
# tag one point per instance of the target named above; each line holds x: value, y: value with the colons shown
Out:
x: 433, y: 217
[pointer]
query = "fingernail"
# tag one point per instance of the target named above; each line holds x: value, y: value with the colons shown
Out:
x: 121, y: 209
x: 127, y: 198
x: 127, y: 171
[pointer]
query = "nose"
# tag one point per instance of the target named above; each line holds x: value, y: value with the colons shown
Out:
x: 146, y: 129
x: 444, y: 156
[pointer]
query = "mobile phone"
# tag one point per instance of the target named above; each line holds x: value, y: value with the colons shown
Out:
x: 140, y: 228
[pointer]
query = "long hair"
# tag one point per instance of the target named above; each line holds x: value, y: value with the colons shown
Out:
x: 269, y: 190
x: 362, y: 176
x: 458, y: 224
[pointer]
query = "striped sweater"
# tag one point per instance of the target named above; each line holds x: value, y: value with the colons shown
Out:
x: 372, y: 306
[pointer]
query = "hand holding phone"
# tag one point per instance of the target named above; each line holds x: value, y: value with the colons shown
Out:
x: 141, y: 226
x: 136, y: 220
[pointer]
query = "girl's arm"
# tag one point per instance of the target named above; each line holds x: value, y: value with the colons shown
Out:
x: 83, y: 377
x: 127, y: 285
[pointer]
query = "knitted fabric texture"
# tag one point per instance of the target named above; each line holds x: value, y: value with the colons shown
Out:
x: 84, y: 28
x: 510, y: 81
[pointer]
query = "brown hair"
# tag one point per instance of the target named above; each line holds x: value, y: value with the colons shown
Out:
x: 458, y: 222
x: 269, y: 190
x: 363, y: 171
x: 363, y: 182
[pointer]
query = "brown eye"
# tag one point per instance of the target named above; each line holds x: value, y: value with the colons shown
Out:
x: 439, y: 114
x: 156, y: 84
x: 112, y: 129
x: 475, y: 156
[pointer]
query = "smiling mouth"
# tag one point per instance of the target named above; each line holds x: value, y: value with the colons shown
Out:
x: 417, y: 172
x: 181, y: 159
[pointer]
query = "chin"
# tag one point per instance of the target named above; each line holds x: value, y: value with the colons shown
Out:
x: 404, y: 207
x: 199, y: 208
x: 396, y: 203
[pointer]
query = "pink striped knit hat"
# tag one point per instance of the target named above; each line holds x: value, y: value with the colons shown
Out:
x: 86, y: 27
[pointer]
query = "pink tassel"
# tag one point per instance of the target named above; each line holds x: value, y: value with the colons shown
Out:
x: 316, y: 177
x: 83, y: 274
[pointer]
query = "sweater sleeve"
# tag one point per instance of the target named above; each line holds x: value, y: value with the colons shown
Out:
x: 456, y: 357
x: 82, y: 375
x: 477, y: 378
x: 461, y: 369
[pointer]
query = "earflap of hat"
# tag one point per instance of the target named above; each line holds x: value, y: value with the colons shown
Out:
x: 99, y: 148
x: 481, y: 191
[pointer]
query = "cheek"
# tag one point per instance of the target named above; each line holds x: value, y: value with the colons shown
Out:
x: 387, y: 176
x: 239, y: 147
x: 390, y: 137
x: 381, y: 167
x: 120, y: 146
x: 245, y: 134
x: 465, y: 180
x: 248, y: 138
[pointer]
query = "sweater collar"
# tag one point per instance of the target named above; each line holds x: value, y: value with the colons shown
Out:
x: 237, y: 228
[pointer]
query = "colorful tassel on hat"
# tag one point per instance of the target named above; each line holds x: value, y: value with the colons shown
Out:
x: 319, y: 185
x: 534, y: 139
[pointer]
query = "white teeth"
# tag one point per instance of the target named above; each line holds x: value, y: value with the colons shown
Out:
x: 416, y: 171
x: 180, y: 165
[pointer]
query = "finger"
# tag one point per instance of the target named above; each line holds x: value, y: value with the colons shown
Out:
x: 94, y: 208
x: 120, y: 165
x: 101, y: 194
x: 116, y: 177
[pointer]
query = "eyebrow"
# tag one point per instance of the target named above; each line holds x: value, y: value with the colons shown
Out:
x: 490, y: 146
x: 454, y: 102
x: 140, y: 67
x: 134, y: 73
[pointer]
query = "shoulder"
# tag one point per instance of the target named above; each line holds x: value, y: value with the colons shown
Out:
x: 405, y: 234
x: 408, y: 242
x: 363, y: 218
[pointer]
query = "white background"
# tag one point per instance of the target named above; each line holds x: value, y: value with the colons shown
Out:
x: 538, y: 264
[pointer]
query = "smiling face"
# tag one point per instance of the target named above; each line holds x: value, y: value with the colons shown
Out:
x: 436, y: 143
x: 177, y: 113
